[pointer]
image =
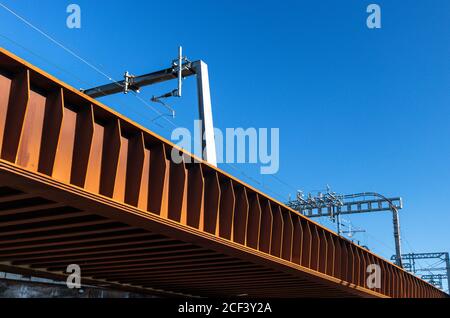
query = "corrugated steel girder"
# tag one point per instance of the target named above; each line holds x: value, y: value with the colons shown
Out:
x: 79, y: 183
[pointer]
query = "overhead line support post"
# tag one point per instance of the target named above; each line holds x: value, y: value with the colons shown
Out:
x: 179, y: 70
x: 396, y: 223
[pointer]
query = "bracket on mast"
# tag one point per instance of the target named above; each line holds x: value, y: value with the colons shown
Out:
x: 180, y: 69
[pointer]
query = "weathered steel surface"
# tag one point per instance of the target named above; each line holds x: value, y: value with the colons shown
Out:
x: 79, y: 183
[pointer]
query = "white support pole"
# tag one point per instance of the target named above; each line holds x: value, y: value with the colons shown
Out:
x: 205, y: 111
x: 180, y: 70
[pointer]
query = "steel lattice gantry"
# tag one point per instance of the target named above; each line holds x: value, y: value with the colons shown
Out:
x: 79, y: 183
x: 435, y: 274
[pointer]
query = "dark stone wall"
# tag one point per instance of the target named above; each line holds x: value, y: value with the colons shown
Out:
x: 29, y: 289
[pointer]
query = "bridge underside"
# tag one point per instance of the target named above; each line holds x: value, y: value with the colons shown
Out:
x: 46, y: 228
x: 81, y: 184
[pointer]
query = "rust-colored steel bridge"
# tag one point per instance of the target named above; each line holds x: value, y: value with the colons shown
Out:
x: 81, y: 184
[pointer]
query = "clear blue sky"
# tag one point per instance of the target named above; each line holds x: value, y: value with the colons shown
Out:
x: 359, y: 109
